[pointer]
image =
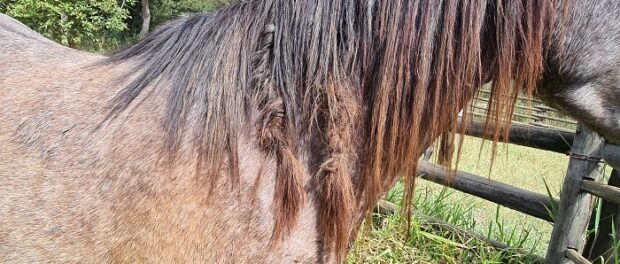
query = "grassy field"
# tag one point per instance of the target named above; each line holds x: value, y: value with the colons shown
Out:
x: 528, y: 168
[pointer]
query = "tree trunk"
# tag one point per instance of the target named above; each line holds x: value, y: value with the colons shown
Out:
x: 146, y: 18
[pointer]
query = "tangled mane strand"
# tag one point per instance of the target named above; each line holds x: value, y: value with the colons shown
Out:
x: 375, y: 82
x: 431, y: 58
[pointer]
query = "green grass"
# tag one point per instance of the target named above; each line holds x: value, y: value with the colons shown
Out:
x: 531, y: 169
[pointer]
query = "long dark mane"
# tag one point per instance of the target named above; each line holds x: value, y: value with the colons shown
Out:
x: 374, y: 81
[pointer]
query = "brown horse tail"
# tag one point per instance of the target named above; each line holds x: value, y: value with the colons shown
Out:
x: 275, y: 138
x: 335, y: 189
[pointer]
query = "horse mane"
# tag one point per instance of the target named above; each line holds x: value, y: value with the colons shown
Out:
x: 374, y: 81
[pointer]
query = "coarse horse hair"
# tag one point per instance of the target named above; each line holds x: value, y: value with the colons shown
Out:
x: 374, y: 81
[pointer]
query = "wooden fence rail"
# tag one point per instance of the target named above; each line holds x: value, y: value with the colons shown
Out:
x: 520, y: 97
x: 576, y: 257
x: 586, y: 151
x: 607, y: 192
x: 554, y: 119
x: 522, y: 200
x: 528, y: 110
x: 529, y: 136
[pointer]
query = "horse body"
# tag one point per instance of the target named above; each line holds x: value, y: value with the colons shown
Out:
x: 70, y: 196
x: 583, y: 73
x: 202, y: 143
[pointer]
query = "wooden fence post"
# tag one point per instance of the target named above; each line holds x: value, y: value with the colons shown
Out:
x: 540, y: 111
x: 576, y: 206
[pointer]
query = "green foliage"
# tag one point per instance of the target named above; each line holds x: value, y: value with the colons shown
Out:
x: 99, y: 25
x: 384, y: 241
x: 71, y: 22
x: 553, y: 211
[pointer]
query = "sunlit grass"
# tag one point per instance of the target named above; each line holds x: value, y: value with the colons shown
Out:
x: 527, y: 168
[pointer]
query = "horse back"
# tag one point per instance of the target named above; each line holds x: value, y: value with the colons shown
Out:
x: 10, y: 27
x: 22, y: 48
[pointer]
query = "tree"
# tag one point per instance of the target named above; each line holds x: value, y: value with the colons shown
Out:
x: 146, y: 18
x: 71, y: 22
x: 100, y: 25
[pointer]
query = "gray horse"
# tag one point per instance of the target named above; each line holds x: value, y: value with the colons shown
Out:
x: 264, y: 132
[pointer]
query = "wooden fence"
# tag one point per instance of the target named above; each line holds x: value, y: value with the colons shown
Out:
x: 528, y: 111
x: 587, y: 152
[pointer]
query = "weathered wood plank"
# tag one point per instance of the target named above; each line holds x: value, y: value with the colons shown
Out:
x: 539, y: 124
x: 530, y: 136
x: 546, y: 117
x: 576, y: 257
x: 575, y: 206
x: 385, y: 208
x: 464, y: 234
x: 607, y: 192
x: 520, y: 97
x: 520, y: 106
x: 545, y: 108
x: 514, y: 114
x: 524, y: 201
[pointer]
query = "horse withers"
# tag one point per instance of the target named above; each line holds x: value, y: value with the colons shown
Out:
x: 264, y: 132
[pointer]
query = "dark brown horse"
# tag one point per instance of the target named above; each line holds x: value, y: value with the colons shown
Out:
x: 264, y: 132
